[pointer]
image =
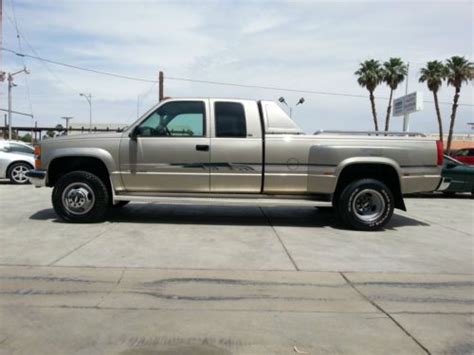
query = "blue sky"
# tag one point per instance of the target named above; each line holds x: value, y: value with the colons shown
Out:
x: 308, y: 45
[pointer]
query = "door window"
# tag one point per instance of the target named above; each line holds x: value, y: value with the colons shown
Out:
x: 175, y: 119
x: 230, y: 120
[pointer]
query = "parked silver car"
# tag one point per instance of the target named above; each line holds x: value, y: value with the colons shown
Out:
x: 16, y: 158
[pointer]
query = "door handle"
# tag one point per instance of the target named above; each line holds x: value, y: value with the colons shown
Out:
x: 202, y: 147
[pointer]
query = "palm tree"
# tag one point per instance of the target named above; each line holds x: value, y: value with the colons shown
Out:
x: 459, y: 71
x: 433, y: 74
x: 394, y: 72
x: 370, y: 75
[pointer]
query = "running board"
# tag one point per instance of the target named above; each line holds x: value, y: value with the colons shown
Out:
x: 222, y: 201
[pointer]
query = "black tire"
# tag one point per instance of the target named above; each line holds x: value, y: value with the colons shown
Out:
x: 79, y: 185
x: 16, y: 173
x: 120, y: 204
x: 376, y: 205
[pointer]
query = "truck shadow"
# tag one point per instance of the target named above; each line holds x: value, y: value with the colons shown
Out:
x: 229, y: 215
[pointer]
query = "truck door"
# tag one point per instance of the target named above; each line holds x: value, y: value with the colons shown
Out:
x: 169, y: 150
x: 236, y: 147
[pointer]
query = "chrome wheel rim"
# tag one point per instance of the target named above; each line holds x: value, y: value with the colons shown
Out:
x: 78, y: 198
x: 368, y: 205
x: 19, y: 174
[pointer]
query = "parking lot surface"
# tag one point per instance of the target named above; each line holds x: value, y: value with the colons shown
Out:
x: 157, y: 279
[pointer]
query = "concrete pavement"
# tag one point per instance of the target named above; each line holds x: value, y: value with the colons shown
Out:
x: 218, y: 280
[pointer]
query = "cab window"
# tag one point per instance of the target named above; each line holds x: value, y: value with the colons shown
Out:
x: 175, y: 119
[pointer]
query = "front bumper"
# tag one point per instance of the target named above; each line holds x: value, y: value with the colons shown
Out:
x: 37, y: 177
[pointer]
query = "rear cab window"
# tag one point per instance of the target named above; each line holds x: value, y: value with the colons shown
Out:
x: 230, y: 120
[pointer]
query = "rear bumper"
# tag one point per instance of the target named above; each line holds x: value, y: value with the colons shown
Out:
x: 37, y: 177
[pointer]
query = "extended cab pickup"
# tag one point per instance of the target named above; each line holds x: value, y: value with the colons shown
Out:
x: 225, y: 151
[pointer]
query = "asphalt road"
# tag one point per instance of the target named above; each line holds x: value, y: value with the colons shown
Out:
x: 158, y: 279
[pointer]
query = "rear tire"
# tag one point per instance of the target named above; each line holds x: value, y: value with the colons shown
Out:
x: 81, y: 197
x: 16, y: 173
x: 365, y: 204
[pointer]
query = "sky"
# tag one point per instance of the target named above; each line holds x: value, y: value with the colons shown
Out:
x: 306, y: 45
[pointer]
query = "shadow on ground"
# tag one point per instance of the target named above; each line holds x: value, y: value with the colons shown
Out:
x: 441, y: 196
x: 228, y: 215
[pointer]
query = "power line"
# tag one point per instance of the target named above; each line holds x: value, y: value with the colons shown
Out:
x: 27, y: 83
x: 78, y: 67
x: 127, y: 77
x: 267, y: 87
x: 42, y: 62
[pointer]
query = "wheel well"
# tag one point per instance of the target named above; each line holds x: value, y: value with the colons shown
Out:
x: 382, y: 172
x: 18, y: 161
x: 63, y: 165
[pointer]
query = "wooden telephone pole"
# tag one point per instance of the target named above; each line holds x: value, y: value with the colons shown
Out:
x: 161, y: 94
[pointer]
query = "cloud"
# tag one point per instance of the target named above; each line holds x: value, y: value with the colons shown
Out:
x: 303, y: 44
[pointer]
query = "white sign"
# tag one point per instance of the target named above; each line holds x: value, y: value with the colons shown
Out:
x: 408, y: 104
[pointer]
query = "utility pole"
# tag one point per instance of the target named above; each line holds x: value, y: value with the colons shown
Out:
x: 11, y: 84
x: 67, y: 118
x: 2, y: 74
x: 89, y: 100
x: 161, y: 94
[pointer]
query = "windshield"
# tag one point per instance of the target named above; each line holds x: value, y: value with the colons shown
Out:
x: 451, y: 160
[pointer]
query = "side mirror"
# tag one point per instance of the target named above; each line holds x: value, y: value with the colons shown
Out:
x: 133, y: 133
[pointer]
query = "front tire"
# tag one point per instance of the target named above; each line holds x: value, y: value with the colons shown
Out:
x: 81, y: 197
x: 17, y: 173
x: 365, y: 204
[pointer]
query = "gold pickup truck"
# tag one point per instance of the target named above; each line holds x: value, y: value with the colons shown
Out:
x: 244, y: 152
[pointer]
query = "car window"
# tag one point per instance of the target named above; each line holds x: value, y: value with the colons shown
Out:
x: 471, y: 153
x: 20, y: 148
x: 461, y: 153
x: 175, y: 119
x: 230, y: 120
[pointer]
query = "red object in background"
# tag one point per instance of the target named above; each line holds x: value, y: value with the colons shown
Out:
x: 439, y: 148
x: 465, y: 156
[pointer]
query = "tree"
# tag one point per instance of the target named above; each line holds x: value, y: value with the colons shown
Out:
x: 459, y: 71
x: 26, y: 138
x: 433, y: 74
x: 370, y: 75
x: 394, y: 72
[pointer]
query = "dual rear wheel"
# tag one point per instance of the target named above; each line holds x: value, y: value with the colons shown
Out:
x: 365, y: 204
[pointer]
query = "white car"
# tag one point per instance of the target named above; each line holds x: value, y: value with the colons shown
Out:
x: 16, y: 158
